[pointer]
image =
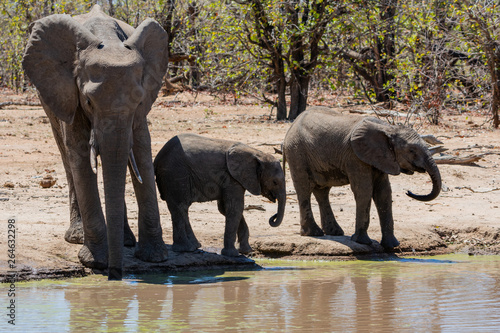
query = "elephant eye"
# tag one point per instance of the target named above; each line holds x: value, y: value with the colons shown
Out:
x: 100, y: 46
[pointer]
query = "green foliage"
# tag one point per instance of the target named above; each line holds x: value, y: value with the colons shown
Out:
x: 426, y: 54
x: 15, y: 18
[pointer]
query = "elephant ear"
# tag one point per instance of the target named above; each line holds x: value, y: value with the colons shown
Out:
x: 243, y: 165
x: 372, y: 144
x: 151, y: 41
x: 49, y: 61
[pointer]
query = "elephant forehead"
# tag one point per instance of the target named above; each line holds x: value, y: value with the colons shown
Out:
x: 407, y: 134
x: 111, y: 57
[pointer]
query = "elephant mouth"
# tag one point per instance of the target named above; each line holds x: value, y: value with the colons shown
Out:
x: 411, y: 172
x: 407, y: 172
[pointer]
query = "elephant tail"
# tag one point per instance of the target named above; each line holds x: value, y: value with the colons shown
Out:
x: 284, y: 160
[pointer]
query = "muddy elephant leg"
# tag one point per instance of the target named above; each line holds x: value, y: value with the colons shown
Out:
x: 150, y: 246
x: 243, y: 236
x: 362, y: 190
x: 94, y: 253
x: 233, y: 204
x: 382, y: 196
x: 328, y: 222
x: 74, y: 234
x: 183, y: 236
x: 128, y: 235
x: 243, y: 232
x: 308, y: 226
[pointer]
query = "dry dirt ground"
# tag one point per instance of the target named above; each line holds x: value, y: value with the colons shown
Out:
x: 465, y: 217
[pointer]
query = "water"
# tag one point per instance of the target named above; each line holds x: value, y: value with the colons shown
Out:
x: 438, y: 294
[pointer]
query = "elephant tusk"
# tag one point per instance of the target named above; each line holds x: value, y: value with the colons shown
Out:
x: 93, y: 159
x: 131, y: 159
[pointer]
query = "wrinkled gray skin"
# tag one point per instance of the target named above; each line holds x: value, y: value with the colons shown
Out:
x: 97, y: 79
x: 191, y: 168
x: 324, y: 149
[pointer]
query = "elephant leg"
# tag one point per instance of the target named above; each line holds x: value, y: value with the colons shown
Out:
x: 233, y: 206
x: 76, y: 158
x: 382, y: 196
x: 308, y: 226
x: 183, y: 236
x: 328, y: 222
x: 128, y: 235
x: 243, y: 232
x: 74, y: 234
x: 363, y: 196
x: 150, y: 246
x: 243, y: 236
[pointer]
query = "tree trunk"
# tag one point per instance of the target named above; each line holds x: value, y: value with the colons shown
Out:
x: 384, y: 50
x: 279, y: 73
x: 299, y: 93
x: 495, y: 82
x: 194, y: 71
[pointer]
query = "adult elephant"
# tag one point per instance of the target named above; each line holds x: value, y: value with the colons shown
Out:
x: 97, y: 78
x: 324, y: 149
x: 192, y: 168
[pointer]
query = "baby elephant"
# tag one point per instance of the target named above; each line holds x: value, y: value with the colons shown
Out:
x: 191, y: 168
x: 324, y: 149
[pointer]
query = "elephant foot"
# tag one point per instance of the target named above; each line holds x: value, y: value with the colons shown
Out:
x: 151, y: 251
x: 194, y: 242
x: 74, y: 234
x: 245, y: 248
x: 129, y: 238
x: 333, y: 230
x: 389, y: 242
x: 96, y: 259
x: 311, y: 229
x: 189, y: 247
x: 361, y: 238
x: 115, y: 274
x: 230, y: 252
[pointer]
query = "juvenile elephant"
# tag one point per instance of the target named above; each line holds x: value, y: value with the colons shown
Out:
x: 97, y: 78
x: 191, y: 168
x: 324, y: 149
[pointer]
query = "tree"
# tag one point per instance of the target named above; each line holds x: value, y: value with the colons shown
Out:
x: 480, y: 26
x: 374, y: 40
x: 289, y: 36
x: 15, y: 18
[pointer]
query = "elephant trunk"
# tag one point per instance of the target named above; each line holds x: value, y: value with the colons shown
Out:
x: 114, y: 151
x: 277, y: 218
x: 433, y: 171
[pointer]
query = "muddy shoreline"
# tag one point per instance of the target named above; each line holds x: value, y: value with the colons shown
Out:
x: 469, y: 241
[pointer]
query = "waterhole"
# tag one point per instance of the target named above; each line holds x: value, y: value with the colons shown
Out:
x: 437, y: 294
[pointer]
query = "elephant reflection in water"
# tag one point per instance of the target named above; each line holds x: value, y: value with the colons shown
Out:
x: 344, y: 299
x: 115, y: 307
